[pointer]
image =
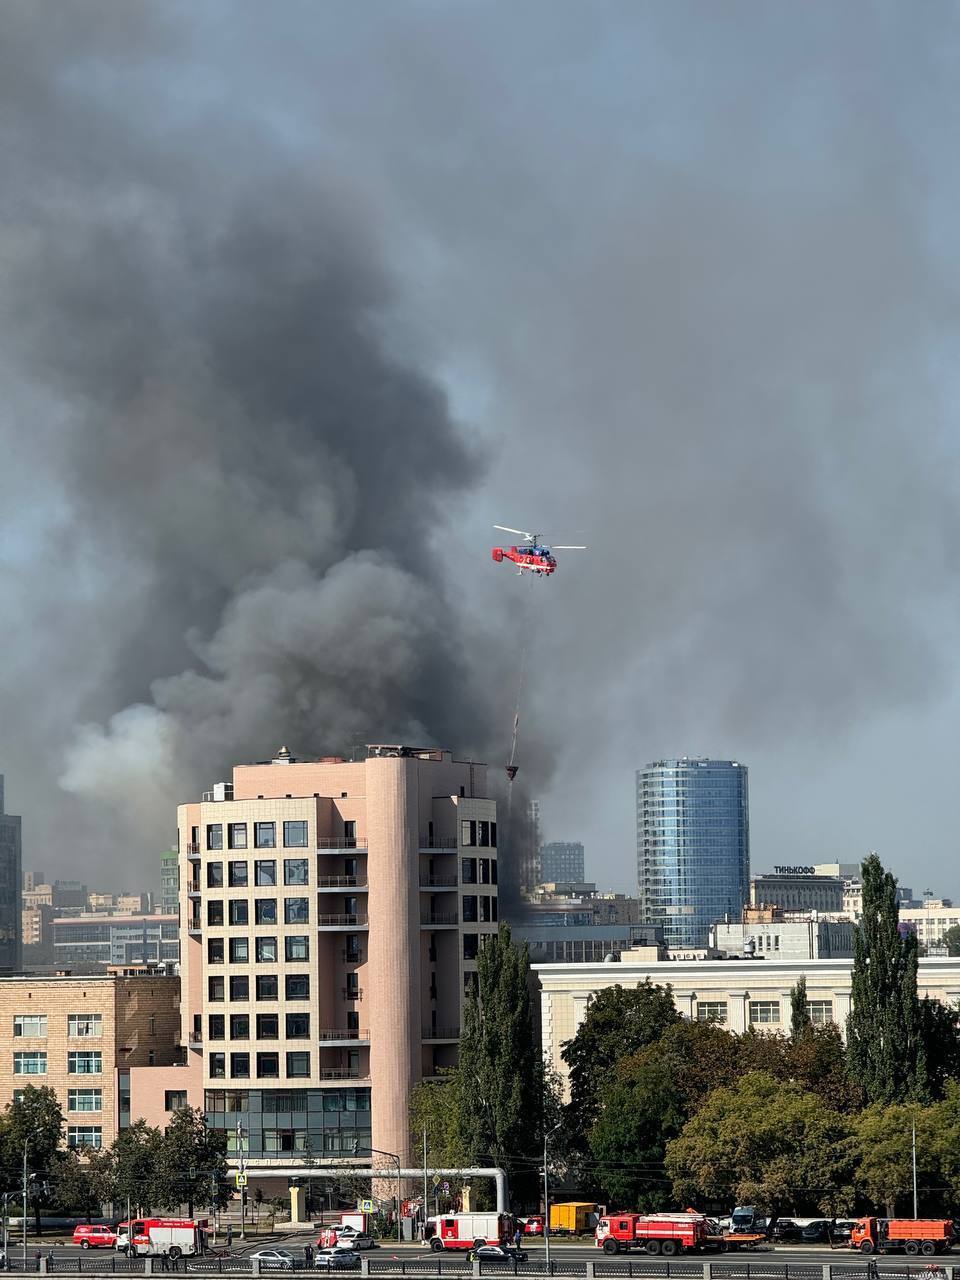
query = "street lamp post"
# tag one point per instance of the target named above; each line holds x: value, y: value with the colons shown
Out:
x: 26, y: 1143
x: 547, y: 1133
x: 392, y: 1155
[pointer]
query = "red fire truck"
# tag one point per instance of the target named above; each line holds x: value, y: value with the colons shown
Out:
x: 176, y: 1237
x: 664, y: 1233
x: 467, y: 1230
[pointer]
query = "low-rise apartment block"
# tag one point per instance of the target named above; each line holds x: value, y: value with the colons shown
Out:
x: 81, y: 1036
x: 332, y: 912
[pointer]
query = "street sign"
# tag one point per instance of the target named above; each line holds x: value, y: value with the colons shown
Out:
x: 446, y: 1188
x: 241, y: 1179
x: 366, y: 1206
x: 436, y: 1179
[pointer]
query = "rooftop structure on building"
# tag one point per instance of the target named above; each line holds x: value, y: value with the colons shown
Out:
x: 94, y: 940
x: 797, y: 888
x: 772, y: 933
x: 561, y: 860
x: 332, y: 914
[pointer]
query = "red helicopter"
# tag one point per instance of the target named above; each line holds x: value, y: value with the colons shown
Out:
x: 532, y: 556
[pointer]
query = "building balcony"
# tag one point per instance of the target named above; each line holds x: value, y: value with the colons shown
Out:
x: 434, y: 1034
x: 440, y: 920
x: 195, y: 927
x: 430, y: 844
x: 344, y: 1073
x: 341, y: 882
x: 332, y: 844
x: 193, y: 851
x: 358, y: 920
x: 194, y: 889
x: 438, y: 882
x: 351, y: 993
x: 343, y: 1035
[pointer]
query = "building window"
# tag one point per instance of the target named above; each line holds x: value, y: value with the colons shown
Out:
x: 266, y: 950
x: 84, y: 1135
x: 268, y: 1026
x: 298, y: 1064
x: 820, y: 1012
x: 217, y: 1026
x: 240, y: 1065
x: 215, y: 912
x: 297, y: 986
x: 353, y: 986
x: 469, y: 946
x: 85, y: 1024
x: 239, y: 987
x: 469, y: 908
x: 349, y: 829
x: 296, y: 947
x: 268, y: 986
x: 214, y: 875
x: 215, y: 952
x: 484, y: 870
x: 84, y: 1099
x: 33, y: 1025
x: 239, y: 950
x: 238, y: 875
x: 239, y: 911
x: 486, y: 913
x: 295, y: 836
x: 468, y: 834
x: 214, y: 835
x: 298, y: 1026
x: 265, y: 835
x: 469, y: 870
x: 215, y: 988
x: 711, y: 1010
x: 84, y: 1062
x: 29, y: 1064
x: 268, y: 1066
x: 265, y: 910
x: 764, y: 1011
x: 237, y: 835
x: 175, y: 1099
x: 296, y: 871
x: 239, y: 1026
x: 218, y: 1066
x: 265, y: 872
x: 296, y: 910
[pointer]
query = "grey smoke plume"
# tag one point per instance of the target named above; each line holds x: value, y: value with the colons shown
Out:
x: 687, y: 272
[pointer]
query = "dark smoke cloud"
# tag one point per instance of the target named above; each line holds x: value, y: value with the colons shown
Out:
x: 687, y: 272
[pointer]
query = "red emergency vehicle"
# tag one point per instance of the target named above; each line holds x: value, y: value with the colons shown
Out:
x: 467, y: 1230
x: 658, y: 1233
x: 175, y: 1237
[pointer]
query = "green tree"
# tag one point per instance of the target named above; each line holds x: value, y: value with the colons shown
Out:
x: 701, y: 1057
x: 435, y: 1107
x: 33, y: 1125
x: 940, y: 1033
x: 190, y: 1158
x: 126, y: 1172
x: 951, y: 940
x: 799, y: 1013
x: 885, y: 1050
x: 766, y: 1142
x: 883, y: 1155
x: 641, y: 1109
x: 74, y: 1188
x: 817, y: 1061
x: 618, y: 1022
x: 500, y: 1072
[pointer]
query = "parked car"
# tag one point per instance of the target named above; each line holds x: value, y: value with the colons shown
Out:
x: 358, y: 1241
x: 786, y: 1229
x: 94, y: 1235
x: 336, y: 1258
x: 816, y: 1232
x: 840, y: 1230
x: 274, y: 1259
x: 499, y: 1253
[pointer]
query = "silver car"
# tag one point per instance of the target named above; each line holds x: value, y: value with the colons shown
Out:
x: 337, y: 1259
x: 274, y: 1259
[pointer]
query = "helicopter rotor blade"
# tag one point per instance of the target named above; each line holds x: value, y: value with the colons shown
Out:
x: 560, y: 547
x: 506, y: 529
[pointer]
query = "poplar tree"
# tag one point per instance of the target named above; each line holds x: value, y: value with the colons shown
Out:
x: 500, y: 1077
x: 885, y: 1049
x: 799, y: 1014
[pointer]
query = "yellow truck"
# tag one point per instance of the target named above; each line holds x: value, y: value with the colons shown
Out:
x: 575, y: 1217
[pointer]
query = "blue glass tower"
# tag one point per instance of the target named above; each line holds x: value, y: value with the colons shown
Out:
x: 693, y: 845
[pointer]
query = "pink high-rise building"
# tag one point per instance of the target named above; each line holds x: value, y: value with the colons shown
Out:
x: 332, y: 912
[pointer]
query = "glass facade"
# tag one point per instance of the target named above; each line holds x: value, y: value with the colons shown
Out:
x: 693, y: 846
x: 561, y: 861
x: 272, y: 1122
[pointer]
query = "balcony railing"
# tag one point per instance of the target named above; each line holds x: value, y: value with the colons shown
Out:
x: 343, y: 1073
x: 341, y: 842
x: 343, y: 1033
x: 195, y: 1039
x: 352, y: 957
x: 352, y: 993
x: 438, y: 882
x: 441, y: 1033
x: 341, y: 882
x: 441, y: 917
x: 193, y: 851
x: 194, y: 888
x: 194, y: 926
x: 438, y: 842
x: 358, y: 918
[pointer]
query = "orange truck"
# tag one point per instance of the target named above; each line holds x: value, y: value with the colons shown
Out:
x: 909, y: 1235
x: 658, y: 1233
